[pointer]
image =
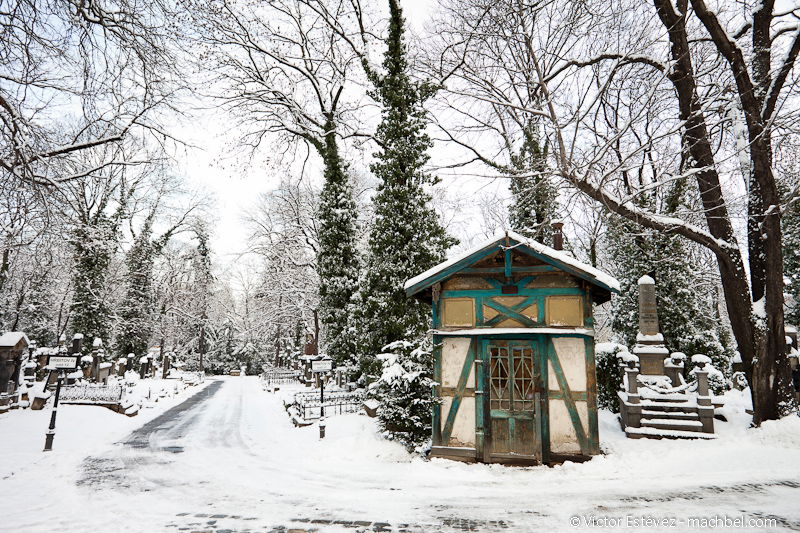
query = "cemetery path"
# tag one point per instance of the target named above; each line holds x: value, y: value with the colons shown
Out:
x: 228, y: 459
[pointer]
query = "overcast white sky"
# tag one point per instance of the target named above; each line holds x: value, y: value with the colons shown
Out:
x: 233, y: 182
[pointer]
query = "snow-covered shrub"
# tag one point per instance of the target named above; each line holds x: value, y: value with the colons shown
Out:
x: 405, y: 392
x: 607, y: 356
x: 708, y: 343
x: 720, y: 367
x: 717, y: 383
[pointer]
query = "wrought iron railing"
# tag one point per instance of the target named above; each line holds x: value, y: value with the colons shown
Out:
x: 308, y: 405
x: 91, y: 393
x: 279, y: 377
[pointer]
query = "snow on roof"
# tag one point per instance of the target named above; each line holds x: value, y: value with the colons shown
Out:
x: 560, y: 256
x: 12, y: 338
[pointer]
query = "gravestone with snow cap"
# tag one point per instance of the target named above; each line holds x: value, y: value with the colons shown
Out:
x: 649, y: 342
x: 12, y: 347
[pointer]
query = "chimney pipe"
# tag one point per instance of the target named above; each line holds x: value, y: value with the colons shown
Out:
x: 558, y: 235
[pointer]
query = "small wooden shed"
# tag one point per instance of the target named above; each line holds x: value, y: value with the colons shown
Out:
x: 514, y: 352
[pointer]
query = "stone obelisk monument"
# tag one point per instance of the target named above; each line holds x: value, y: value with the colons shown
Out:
x: 649, y: 342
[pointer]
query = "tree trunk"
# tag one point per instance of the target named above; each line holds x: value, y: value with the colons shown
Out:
x: 759, y: 331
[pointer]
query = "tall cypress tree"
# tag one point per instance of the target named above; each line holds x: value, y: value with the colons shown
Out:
x: 791, y: 262
x: 94, y: 242
x: 137, y: 312
x: 406, y: 237
x: 203, y: 292
x: 686, y: 317
x: 337, y: 259
x: 534, y: 198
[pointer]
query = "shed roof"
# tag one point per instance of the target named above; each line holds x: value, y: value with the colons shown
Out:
x: 509, y: 239
x: 12, y: 338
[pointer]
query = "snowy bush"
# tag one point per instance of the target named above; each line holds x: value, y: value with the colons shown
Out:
x: 609, y: 375
x: 405, y: 392
x: 718, y: 362
x: 708, y: 343
x: 717, y: 384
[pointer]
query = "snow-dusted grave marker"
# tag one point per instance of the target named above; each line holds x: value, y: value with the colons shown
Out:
x: 13, y: 346
x: 649, y: 341
x: 656, y: 401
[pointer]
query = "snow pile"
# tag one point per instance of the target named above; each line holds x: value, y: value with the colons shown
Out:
x: 784, y: 432
x: 349, y: 432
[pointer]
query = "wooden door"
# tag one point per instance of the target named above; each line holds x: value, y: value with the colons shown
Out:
x: 514, y: 418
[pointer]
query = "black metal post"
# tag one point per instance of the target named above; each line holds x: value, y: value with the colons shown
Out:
x: 51, y: 432
x: 321, y: 405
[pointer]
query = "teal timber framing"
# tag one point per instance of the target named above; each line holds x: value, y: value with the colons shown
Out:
x: 532, y: 296
x: 477, y: 357
x: 466, y: 369
x: 567, y: 396
x: 504, y: 245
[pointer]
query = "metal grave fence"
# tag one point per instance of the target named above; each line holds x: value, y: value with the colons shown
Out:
x: 90, y: 393
x: 307, y: 404
x: 278, y: 377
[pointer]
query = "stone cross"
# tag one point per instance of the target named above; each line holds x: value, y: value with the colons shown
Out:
x: 648, y: 313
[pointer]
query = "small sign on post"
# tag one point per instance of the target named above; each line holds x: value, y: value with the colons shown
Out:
x: 323, y: 365
x: 320, y: 366
x: 60, y: 363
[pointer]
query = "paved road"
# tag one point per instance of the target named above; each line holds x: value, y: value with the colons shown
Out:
x: 228, y: 460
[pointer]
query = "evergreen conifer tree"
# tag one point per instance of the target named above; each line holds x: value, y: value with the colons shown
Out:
x: 406, y: 237
x: 791, y: 262
x: 94, y: 243
x: 337, y: 258
x: 686, y: 317
x: 202, y: 294
x: 534, y: 198
x: 405, y: 391
x: 136, y: 311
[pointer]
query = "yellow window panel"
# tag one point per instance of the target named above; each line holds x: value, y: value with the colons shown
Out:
x: 564, y: 311
x: 532, y: 312
x: 510, y: 323
x: 458, y: 312
x: 489, y: 312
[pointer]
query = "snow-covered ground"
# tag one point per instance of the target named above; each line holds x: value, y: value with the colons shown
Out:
x: 230, y: 459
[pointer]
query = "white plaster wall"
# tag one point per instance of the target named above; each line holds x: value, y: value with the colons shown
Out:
x: 562, y: 433
x: 572, y: 356
x: 464, y: 426
x: 454, y: 351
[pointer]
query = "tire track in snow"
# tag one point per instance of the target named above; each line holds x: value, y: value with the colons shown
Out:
x: 142, y: 447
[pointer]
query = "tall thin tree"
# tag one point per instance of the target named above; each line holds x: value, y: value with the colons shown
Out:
x: 406, y: 237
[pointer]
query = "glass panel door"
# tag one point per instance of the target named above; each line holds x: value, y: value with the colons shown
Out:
x: 513, y: 400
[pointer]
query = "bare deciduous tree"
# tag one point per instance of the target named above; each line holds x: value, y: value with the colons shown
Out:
x: 707, y: 94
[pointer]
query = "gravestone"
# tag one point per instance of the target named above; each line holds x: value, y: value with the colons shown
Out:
x: 649, y: 342
x: 12, y: 346
x: 97, y: 354
x: 648, y: 312
x: 144, y: 367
